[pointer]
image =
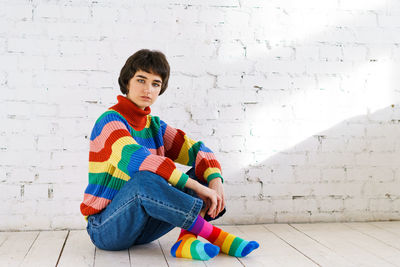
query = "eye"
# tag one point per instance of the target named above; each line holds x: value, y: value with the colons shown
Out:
x: 156, y: 84
x: 140, y: 80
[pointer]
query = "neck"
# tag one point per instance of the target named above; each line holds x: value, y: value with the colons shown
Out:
x: 135, y: 116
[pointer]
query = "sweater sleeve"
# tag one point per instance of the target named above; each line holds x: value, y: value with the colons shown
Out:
x: 116, y: 145
x: 184, y: 150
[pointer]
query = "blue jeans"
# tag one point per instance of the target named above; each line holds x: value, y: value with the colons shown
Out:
x: 146, y: 208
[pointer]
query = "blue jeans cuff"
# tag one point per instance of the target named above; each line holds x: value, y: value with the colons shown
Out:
x: 193, y: 213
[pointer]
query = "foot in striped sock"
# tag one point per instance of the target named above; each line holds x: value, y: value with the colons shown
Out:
x: 229, y: 244
x: 187, y: 246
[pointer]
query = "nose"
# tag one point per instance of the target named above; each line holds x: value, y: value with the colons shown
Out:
x: 147, y: 88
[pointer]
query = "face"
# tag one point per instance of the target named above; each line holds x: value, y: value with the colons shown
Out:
x: 143, y: 88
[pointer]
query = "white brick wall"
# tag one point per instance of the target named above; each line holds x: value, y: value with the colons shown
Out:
x: 298, y: 99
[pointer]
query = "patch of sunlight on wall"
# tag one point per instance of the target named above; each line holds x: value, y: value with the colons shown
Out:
x: 369, y: 88
x: 292, y: 23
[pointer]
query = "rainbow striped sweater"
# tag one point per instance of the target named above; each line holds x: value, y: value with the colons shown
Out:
x: 126, y: 139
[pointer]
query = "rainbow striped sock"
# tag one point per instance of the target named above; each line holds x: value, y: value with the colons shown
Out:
x: 187, y: 246
x: 229, y: 244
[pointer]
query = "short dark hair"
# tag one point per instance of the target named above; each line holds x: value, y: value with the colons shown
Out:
x: 151, y: 61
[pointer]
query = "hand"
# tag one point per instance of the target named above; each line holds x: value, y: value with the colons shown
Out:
x: 216, y: 184
x: 210, y: 197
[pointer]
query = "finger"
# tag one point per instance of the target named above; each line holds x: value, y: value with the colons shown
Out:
x: 207, y: 205
x: 218, y: 206
x: 213, y: 206
x: 221, y: 205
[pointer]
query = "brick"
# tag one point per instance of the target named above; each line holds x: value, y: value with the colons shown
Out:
x: 253, y: 207
x: 307, y: 174
x: 75, y: 47
x: 282, y: 67
x: 69, y: 158
x: 228, y: 81
x: 376, y: 188
x: 376, y: 158
x: 10, y: 191
x: 75, y: 13
x: 11, y: 61
x: 107, y: 14
x: 64, y: 192
x: 49, y: 143
x: 17, y: 12
x: 329, y: 67
x: 234, y: 143
x: 380, y: 205
x: 72, y: 63
x: 47, y: 11
x: 211, y: 16
x: 234, y: 191
x: 355, y: 203
x: 361, y: 5
x: 332, y: 145
x: 69, y: 30
x: 305, y: 204
x: 219, y: 96
x: 46, y: 110
x: 232, y: 113
x: 35, y: 192
x: 382, y: 144
x: 283, y: 204
x: 62, y: 222
x: 71, y: 111
x: 336, y: 159
x: 194, y: 68
x: 330, y: 53
x: 341, y: 189
x: 279, y: 190
x: 132, y: 15
x: 331, y: 205
x: 29, y: 28
x: 355, y: 52
x: 203, y: 113
x: 15, y: 108
x: 33, y: 47
x: 22, y: 142
x: 29, y: 62
x: 69, y: 174
x: 19, y: 79
x: 306, y: 53
x: 237, y: 18
x: 333, y: 174
x: 259, y: 173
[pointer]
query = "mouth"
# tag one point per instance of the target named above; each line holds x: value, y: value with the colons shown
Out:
x: 146, y: 98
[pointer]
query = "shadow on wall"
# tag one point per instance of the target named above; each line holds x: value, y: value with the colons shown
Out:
x: 349, y: 172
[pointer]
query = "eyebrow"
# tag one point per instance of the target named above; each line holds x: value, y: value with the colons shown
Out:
x: 144, y: 77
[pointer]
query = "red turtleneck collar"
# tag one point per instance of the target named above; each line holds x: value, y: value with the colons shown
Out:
x: 135, y: 116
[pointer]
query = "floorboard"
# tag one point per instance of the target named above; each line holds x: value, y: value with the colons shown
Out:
x: 46, y: 249
x: 320, y: 254
x: 149, y: 255
x: 317, y: 244
x: 15, y: 247
x: 78, y: 251
x: 346, y: 242
x: 273, y: 251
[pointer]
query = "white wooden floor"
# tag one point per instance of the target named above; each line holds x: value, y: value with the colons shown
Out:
x: 318, y: 244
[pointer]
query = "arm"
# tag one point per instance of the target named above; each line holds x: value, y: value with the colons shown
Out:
x: 115, y: 145
x: 182, y: 149
x: 209, y: 196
